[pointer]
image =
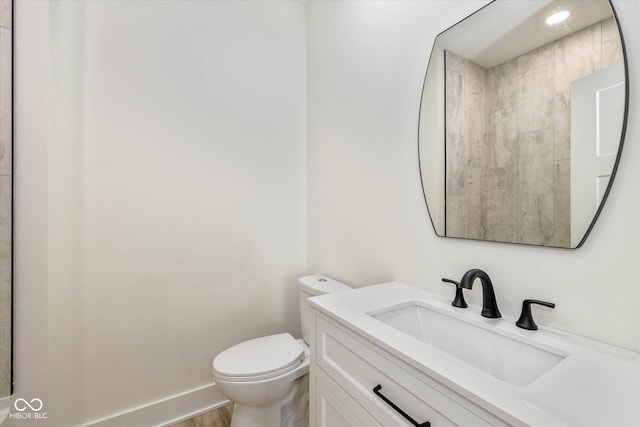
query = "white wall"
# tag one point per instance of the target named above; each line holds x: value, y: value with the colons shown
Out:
x: 367, y: 222
x: 127, y: 284
x: 172, y: 202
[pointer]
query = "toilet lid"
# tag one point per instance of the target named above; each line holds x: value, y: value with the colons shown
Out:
x: 259, y: 358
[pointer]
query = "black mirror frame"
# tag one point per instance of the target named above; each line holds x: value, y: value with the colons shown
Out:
x: 618, y: 155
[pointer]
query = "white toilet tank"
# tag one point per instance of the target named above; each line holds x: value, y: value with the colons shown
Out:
x: 311, y: 286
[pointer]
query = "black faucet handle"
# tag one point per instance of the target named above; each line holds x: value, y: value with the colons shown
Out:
x: 458, y: 301
x: 526, y: 318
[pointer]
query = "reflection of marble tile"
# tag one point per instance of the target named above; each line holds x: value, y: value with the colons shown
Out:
x: 562, y: 126
x: 455, y: 216
x: 5, y: 232
x: 491, y: 139
x: 5, y: 13
x: 535, y: 99
x: 5, y: 199
x: 5, y: 359
x: 501, y: 197
x: 457, y: 160
x: 535, y: 162
x: 535, y: 219
x: 454, y: 63
x: 501, y: 233
x: 478, y: 141
x: 475, y: 74
x: 5, y: 101
x: 534, y: 59
x: 562, y: 177
x: 5, y: 301
x: 611, y: 53
x: 563, y: 220
x: 504, y: 138
x: 5, y: 261
x: 576, y: 56
x: 501, y: 82
x: 475, y: 113
x: 454, y: 95
x: 475, y: 209
x: 609, y: 30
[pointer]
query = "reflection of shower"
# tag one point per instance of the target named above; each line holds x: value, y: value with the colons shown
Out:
x: 509, y: 151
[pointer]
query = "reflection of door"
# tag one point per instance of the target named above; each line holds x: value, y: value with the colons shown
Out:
x: 597, y: 108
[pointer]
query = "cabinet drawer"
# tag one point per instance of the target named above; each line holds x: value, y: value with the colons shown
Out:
x: 335, y: 408
x: 358, y: 366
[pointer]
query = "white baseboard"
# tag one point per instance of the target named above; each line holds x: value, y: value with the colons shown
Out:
x: 167, y: 411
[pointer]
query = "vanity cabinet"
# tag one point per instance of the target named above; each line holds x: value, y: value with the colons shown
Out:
x: 452, y: 367
x: 345, y: 369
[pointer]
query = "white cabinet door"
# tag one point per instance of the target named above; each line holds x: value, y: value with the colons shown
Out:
x: 358, y: 367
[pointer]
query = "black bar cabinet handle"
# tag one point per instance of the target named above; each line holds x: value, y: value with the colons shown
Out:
x: 377, y: 389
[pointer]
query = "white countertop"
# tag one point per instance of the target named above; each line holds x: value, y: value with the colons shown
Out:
x: 595, y: 385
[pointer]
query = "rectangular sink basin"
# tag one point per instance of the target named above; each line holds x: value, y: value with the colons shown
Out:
x: 512, y: 361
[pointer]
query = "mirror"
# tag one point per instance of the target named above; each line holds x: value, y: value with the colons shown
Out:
x: 522, y: 122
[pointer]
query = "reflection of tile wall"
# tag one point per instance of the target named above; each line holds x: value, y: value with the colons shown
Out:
x: 466, y: 148
x: 508, y: 142
x: 5, y: 197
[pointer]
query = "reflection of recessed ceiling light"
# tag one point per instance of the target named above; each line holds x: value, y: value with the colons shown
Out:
x: 557, y: 17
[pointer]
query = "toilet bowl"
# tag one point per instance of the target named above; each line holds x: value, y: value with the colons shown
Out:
x: 267, y: 377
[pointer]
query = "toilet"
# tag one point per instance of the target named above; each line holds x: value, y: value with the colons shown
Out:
x: 267, y: 377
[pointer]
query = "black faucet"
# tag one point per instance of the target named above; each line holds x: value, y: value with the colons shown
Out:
x: 458, y: 301
x: 526, y: 319
x: 489, y: 304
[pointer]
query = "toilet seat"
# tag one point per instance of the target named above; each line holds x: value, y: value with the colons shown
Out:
x: 259, y: 359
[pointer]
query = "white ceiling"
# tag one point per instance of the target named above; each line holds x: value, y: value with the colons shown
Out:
x: 506, y: 29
